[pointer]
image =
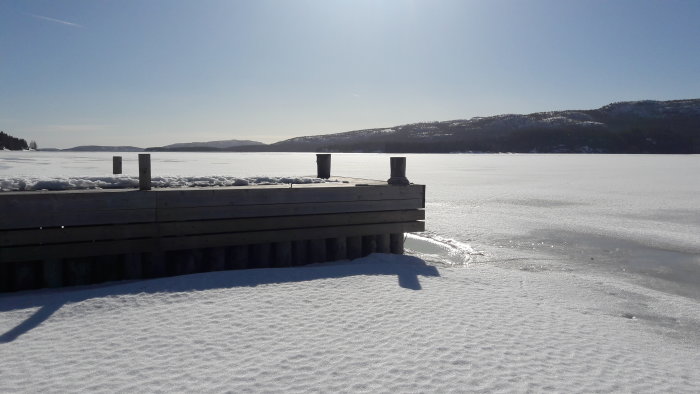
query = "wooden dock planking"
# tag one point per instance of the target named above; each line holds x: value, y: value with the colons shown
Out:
x: 95, y: 248
x: 86, y: 207
x: 147, y: 230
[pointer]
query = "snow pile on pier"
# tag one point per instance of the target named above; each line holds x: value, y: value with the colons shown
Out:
x: 125, y: 182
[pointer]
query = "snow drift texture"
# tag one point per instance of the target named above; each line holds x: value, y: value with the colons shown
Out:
x: 380, y: 324
x: 125, y: 182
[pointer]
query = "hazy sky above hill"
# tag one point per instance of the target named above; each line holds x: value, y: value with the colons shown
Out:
x: 150, y: 73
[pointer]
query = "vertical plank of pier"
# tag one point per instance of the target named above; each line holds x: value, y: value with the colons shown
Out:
x: 132, y: 266
x: 154, y: 264
x: 6, y: 277
x: 396, y: 243
x: 261, y: 255
x: 144, y: 171
x: 197, y: 263
x: 78, y: 270
x: 26, y: 274
x: 369, y: 244
x: 216, y: 258
x: 323, y: 165
x: 107, y: 268
x: 317, y: 250
x: 182, y: 262
x: 300, y: 253
x: 116, y: 164
x: 52, y: 272
x: 383, y: 243
x: 172, y: 262
x: 337, y: 249
x: 282, y: 252
x: 354, y: 247
x: 238, y: 257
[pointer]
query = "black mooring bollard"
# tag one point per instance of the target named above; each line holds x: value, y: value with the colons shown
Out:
x: 398, y: 171
x: 144, y: 171
x: 323, y: 165
x: 116, y: 164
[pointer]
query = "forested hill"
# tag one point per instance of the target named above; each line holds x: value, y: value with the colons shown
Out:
x: 210, y: 146
x: 624, y: 127
x: 9, y: 142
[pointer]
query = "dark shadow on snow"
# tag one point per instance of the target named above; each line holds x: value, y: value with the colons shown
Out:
x: 407, y: 269
x: 34, y: 320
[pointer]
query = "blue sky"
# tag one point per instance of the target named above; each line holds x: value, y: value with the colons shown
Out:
x: 150, y: 73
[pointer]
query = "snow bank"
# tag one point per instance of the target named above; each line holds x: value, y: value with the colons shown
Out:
x: 125, y: 182
x: 378, y: 324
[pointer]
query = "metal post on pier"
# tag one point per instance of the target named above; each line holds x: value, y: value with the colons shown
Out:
x: 116, y: 164
x: 323, y: 165
x: 398, y: 171
x: 144, y: 171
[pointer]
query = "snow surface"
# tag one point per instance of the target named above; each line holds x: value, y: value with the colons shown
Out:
x: 379, y: 324
x: 26, y: 183
x: 564, y: 273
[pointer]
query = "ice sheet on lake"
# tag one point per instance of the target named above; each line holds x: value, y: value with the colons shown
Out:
x: 538, y: 313
x: 440, y: 250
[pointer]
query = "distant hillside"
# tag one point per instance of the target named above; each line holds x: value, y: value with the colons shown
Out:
x: 625, y: 127
x: 98, y: 148
x: 206, y: 146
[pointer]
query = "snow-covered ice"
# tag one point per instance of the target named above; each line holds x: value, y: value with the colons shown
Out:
x: 564, y: 273
x: 379, y: 324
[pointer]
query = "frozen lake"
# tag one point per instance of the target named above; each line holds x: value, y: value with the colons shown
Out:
x: 633, y: 215
x: 563, y: 273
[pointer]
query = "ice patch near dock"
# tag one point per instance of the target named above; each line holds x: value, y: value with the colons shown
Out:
x: 440, y: 250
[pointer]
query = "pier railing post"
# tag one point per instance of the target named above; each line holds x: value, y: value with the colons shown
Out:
x: 116, y: 164
x: 323, y: 165
x: 396, y: 241
x: 398, y: 171
x: 144, y: 171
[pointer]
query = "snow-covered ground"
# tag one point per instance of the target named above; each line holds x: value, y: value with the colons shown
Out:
x: 539, y: 273
x: 380, y: 324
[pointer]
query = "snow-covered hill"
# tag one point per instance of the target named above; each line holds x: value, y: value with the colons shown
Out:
x: 100, y: 148
x: 617, y: 127
x: 213, y: 144
x: 653, y: 109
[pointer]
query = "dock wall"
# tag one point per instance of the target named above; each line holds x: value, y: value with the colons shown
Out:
x: 54, y: 239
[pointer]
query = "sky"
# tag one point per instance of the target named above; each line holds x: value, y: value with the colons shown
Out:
x: 152, y: 73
